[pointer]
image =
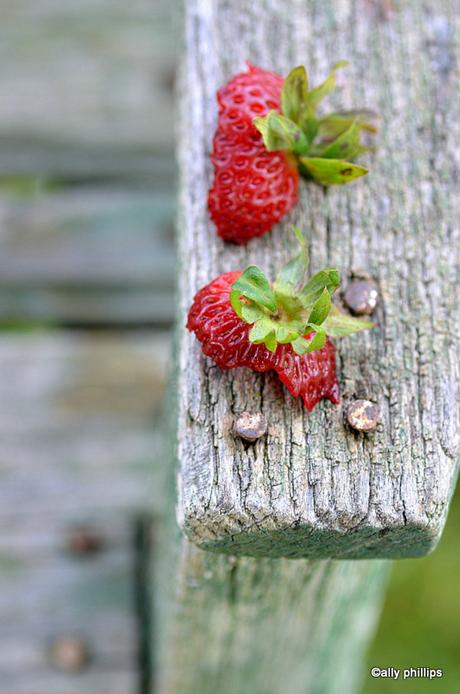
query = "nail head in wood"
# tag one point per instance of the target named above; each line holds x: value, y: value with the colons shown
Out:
x: 250, y: 426
x: 361, y: 297
x: 84, y: 541
x: 363, y: 415
x: 69, y: 653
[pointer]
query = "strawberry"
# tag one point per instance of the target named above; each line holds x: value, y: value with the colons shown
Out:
x: 267, y: 134
x: 222, y: 333
x: 241, y: 320
x: 253, y: 188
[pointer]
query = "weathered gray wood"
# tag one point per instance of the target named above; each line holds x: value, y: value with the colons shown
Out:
x: 113, y: 680
x: 242, y: 624
x: 312, y: 488
x: 78, y: 437
x: 117, y: 682
x: 46, y: 593
x: 256, y: 626
x: 270, y: 626
x: 85, y: 80
x: 103, y: 255
x: 76, y: 422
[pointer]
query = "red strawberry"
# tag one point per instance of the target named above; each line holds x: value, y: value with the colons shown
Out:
x: 223, y: 335
x: 253, y: 188
x: 311, y: 375
x: 258, y: 151
x: 232, y: 320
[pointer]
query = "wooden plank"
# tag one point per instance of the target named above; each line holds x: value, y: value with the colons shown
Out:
x: 92, y: 79
x: 49, y: 158
x: 255, y: 626
x: 268, y: 626
x: 76, y: 426
x: 101, y: 255
x: 77, y: 438
x: 312, y: 488
x: 116, y: 682
x: 269, y: 623
x: 49, y: 593
x: 57, y: 595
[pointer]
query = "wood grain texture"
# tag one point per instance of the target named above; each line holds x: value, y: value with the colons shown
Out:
x: 312, y: 488
x: 78, y: 442
x: 270, y: 626
x: 96, y: 78
x: 255, y: 625
x: 112, y: 680
x: 100, y: 256
x: 76, y: 424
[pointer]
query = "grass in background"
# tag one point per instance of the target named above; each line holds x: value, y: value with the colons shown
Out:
x: 420, y: 625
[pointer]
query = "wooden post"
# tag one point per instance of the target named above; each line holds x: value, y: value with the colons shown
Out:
x: 312, y: 489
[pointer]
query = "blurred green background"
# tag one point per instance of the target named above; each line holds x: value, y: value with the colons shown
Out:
x: 420, y: 625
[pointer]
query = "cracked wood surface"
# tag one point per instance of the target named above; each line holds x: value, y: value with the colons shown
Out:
x: 312, y: 488
x: 246, y: 625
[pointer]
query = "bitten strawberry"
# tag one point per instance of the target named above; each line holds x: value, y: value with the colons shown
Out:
x: 241, y: 320
x: 267, y: 134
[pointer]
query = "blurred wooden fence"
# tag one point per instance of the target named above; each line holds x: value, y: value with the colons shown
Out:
x: 86, y: 210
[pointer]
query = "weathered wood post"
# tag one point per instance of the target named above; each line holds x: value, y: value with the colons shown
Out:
x: 244, y: 616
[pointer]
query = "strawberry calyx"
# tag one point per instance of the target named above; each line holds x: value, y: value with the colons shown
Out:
x: 292, y: 308
x: 324, y: 147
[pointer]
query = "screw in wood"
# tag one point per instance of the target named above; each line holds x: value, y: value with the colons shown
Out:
x: 84, y: 541
x: 362, y: 415
x: 69, y: 653
x: 361, y: 297
x: 250, y: 426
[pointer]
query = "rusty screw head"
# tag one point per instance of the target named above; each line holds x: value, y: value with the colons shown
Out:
x: 69, y: 653
x: 362, y: 415
x: 361, y: 297
x: 84, y: 541
x: 250, y: 426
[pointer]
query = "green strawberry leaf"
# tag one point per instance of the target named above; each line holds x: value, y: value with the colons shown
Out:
x: 288, y: 301
x: 253, y: 285
x: 339, y: 324
x: 294, y: 94
x: 286, y: 334
x: 250, y: 312
x: 334, y: 124
x: 324, y: 279
x: 321, y: 308
x: 280, y: 133
x: 303, y: 346
x: 346, y: 146
x: 318, y: 93
x: 309, y: 124
x: 270, y: 342
x: 287, y: 312
x: 293, y: 272
x: 332, y: 171
x: 261, y: 330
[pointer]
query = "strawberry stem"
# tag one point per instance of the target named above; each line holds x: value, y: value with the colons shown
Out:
x: 323, y: 147
x: 292, y: 308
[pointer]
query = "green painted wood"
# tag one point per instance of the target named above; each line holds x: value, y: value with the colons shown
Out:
x: 312, y: 488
